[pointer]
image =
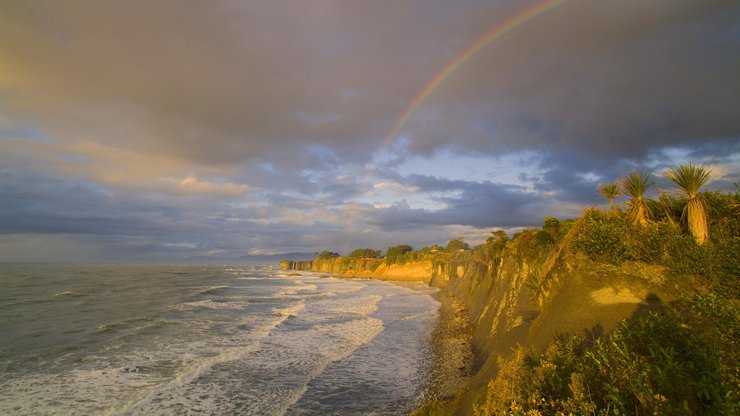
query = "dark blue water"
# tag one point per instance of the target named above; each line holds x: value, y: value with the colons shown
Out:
x: 178, y: 340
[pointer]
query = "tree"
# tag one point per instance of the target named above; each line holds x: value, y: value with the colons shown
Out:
x: 689, y: 178
x: 551, y: 225
x: 457, y: 244
x: 611, y: 192
x: 327, y: 255
x: 499, y: 237
x: 635, y: 185
x: 395, y: 253
x: 365, y: 253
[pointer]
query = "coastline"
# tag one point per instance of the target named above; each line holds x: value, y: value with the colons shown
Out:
x: 452, y: 350
x: 450, y: 340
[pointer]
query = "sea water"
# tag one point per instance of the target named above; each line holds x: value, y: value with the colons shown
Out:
x: 181, y: 340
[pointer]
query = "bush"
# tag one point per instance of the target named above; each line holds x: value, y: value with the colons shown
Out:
x: 551, y: 225
x: 720, y: 318
x: 602, y: 237
x: 723, y: 215
x: 365, y: 253
x: 397, y: 254
x: 656, y: 364
x: 651, y: 242
x: 327, y: 255
x: 457, y: 244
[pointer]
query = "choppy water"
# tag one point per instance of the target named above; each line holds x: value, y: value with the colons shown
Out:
x: 171, y: 340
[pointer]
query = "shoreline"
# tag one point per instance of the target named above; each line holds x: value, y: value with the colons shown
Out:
x: 452, y: 350
x: 450, y: 342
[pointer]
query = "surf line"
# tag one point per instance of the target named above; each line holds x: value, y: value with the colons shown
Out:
x: 489, y: 37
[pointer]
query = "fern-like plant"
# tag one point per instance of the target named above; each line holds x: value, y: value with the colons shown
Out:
x: 689, y: 178
x: 636, y: 185
x: 611, y: 192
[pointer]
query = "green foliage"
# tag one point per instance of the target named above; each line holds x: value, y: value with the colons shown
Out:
x: 724, y: 214
x: 397, y: 254
x: 720, y: 318
x: 457, y: 244
x: 365, y: 253
x: 602, y: 237
x: 327, y: 255
x: 650, y: 243
x: 611, y: 192
x: 551, y: 225
x: 657, y: 364
x: 494, y: 245
x: 543, y: 243
x: 689, y: 178
x: 612, y: 238
x: 498, y: 237
x: 636, y: 185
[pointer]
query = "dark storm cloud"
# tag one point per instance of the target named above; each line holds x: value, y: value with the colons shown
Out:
x: 599, y: 78
x: 216, y: 82
x: 480, y: 205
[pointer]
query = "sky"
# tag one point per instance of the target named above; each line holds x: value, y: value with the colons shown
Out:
x: 187, y: 130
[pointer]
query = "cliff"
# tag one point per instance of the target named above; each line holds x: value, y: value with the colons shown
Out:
x: 365, y: 268
x: 516, y: 299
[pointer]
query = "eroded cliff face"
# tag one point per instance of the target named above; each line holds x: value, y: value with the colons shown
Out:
x: 520, y: 298
x: 365, y: 268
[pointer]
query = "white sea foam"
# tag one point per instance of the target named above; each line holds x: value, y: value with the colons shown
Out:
x: 211, y: 304
x: 217, y: 348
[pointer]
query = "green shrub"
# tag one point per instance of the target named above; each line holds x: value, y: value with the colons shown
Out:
x: 551, y: 225
x: 365, y: 253
x: 457, y: 244
x: 651, y: 243
x: 603, y: 237
x: 656, y: 364
x: 327, y: 255
x: 686, y: 257
x: 720, y: 318
x: 723, y: 215
x: 397, y: 254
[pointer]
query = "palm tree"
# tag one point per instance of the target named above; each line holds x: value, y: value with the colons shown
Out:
x: 635, y: 185
x: 611, y: 192
x: 689, y: 178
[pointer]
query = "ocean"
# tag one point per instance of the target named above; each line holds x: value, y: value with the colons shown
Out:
x: 208, y: 340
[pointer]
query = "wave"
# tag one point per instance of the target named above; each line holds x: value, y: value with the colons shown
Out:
x: 212, y: 304
x: 211, y: 290
x: 298, y: 288
x: 201, y: 366
x: 131, y: 325
x: 67, y: 294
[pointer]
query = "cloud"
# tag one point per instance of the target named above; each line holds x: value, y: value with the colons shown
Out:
x: 183, y: 244
x: 601, y: 79
x: 480, y: 205
x: 166, y: 129
x: 192, y: 185
x: 396, y: 187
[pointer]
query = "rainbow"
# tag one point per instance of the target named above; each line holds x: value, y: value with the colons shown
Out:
x: 490, y: 36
